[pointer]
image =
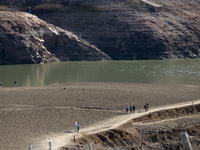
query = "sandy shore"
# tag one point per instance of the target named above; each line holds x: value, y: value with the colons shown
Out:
x: 30, y: 114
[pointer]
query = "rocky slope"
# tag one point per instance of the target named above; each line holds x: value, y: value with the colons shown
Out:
x: 137, y: 29
x: 26, y: 39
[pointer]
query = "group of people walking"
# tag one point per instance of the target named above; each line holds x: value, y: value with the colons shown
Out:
x: 131, y: 108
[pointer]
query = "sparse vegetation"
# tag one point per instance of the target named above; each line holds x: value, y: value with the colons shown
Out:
x: 7, y: 8
x: 48, y: 7
x: 82, y: 7
x: 39, y: 6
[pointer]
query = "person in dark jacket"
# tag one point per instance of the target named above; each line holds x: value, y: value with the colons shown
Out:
x: 133, y: 108
x: 147, y: 106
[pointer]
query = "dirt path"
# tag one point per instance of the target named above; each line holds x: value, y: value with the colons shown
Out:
x: 61, y: 139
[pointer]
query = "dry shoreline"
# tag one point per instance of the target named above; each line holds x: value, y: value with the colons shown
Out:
x: 29, y: 114
x: 161, y: 128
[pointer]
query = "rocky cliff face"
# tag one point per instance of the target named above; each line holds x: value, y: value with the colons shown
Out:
x: 138, y: 29
x: 26, y: 39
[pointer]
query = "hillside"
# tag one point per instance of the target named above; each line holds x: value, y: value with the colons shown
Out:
x: 26, y: 39
x: 116, y: 29
x: 136, y: 29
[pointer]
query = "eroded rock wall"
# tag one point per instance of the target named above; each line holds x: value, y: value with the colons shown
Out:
x: 26, y: 39
x: 138, y: 29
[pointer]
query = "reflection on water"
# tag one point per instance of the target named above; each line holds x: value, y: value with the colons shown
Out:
x: 137, y: 71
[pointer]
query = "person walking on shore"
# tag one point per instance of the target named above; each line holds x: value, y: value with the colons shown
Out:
x: 15, y: 83
x: 131, y: 108
x: 147, y: 106
x: 78, y: 126
x: 126, y: 108
x: 0, y: 84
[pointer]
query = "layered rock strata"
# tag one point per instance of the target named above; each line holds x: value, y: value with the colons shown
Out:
x: 137, y: 29
x: 26, y: 39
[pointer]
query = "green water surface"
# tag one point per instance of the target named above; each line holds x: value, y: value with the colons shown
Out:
x: 186, y: 71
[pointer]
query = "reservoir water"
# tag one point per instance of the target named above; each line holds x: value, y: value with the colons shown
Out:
x: 186, y: 71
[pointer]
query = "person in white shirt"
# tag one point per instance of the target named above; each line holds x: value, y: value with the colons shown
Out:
x: 76, y: 125
x: 127, y: 108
